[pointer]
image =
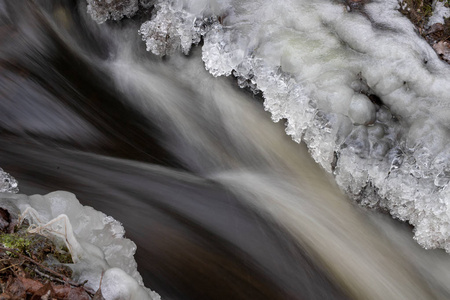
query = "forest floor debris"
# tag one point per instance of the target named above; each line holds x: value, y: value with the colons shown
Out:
x: 438, y: 34
x: 34, y: 267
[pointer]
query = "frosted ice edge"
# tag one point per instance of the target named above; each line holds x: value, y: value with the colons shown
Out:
x: 440, y: 11
x: 376, y: 117
x: 102, y: 10
x: 98, y: 241
x: 7, y: 183
x: 171, y: 29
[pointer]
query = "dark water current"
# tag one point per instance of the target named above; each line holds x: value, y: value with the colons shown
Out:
x: 221, y: 204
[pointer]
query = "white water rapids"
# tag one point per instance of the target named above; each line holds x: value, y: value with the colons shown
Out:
x: 356, y: 82
x: 352, y: 80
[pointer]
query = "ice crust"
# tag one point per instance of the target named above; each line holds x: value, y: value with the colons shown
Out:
x: 439, y: 13
x: 7, y: 183
x: 370, y: 98
x: 102, y: 10
x: 102, y: 246
x: 173, y: 28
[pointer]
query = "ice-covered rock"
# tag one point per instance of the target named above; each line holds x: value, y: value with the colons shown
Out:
x: 368, y: 96
x: 96, y: 241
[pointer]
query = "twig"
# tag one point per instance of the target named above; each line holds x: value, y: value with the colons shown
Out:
x: 101, y: 278
x: 8, y: 267
x: 48, y: 276
x: 64, y: 278
x: 38, y: 264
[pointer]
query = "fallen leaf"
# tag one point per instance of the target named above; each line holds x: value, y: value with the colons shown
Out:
x: 62, y: 291
x: 435, y: 28
x: 443, y: 49
x: 5, y: 219
x: 16, y: 289
x: 5, y: 296
x: 45, y: 292
x: 30, y: 285
x: 78, y: 294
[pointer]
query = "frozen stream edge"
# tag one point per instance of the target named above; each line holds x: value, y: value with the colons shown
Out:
x: 368, y: 96
x: 100, y: 243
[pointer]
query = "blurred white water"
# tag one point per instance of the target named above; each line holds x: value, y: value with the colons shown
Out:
x: 230, y: 206
x: 273, y: 176
x: 352, y: 79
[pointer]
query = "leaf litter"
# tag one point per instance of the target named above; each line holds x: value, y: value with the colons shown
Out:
x: 33, y: 267
x: 438, y: 34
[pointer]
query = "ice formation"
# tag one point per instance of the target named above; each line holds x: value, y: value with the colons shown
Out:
x: 169, y: 30
x: 7, y: 183
x: 440, y: 11
x: 96, y: 241
x: 102, y: 10
x: 353, y: 79
x: 59, y: 227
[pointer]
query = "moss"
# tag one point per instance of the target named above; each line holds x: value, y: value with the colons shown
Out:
x: 35, y: 246
x: 36, y: 258
x: 15, y: 241
x: 427, y: 11
x: 418, y: 11
x: 63, y: 256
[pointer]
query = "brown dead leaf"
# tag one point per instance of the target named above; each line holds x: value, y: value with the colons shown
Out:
x: 62, y: 291
x: 15, y: 288
x: 98, y: 295
x: 45, y: 292
x: 31, y: 286
x: 78, y: 294
x: 443, y: 49
x: 5, y: 296
x: 437, y: 27
x: 5, y: 219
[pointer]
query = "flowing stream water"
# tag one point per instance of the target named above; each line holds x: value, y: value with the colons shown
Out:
x: 221, y: 203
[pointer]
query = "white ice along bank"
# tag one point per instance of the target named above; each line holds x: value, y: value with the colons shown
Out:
x: 96, y: 241
x: 440, y: 11
x: 7, y: 183
x: 354, y: 80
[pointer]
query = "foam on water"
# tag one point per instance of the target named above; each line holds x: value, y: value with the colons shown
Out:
x: 353, y: 80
